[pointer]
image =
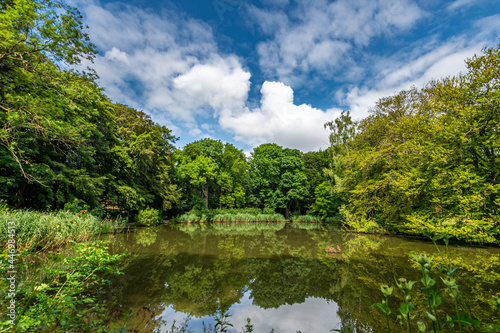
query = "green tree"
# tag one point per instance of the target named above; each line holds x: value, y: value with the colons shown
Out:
x: 429, y: 158
x: 218, y: 168
x: 278, y: 177
x: 52, y: 118
x: 315, y: 164
x: 141, y: 168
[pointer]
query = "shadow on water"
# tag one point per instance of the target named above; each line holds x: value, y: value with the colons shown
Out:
x: 283, y: 276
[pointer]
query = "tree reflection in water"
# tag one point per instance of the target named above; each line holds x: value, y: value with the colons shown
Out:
x: 279, y: 275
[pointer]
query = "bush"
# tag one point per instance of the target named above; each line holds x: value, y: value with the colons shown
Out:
x: 148, y: 217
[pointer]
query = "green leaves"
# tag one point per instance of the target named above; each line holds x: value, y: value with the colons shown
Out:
x: 383, y: 307
x: 429, y: 158
x: 62, y: 300
x: 278, y: 176
x: 219, y: 169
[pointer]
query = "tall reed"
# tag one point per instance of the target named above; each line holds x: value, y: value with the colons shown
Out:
x: 39, y: 230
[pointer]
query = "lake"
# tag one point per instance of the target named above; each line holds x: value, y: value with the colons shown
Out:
x: 283, y: 276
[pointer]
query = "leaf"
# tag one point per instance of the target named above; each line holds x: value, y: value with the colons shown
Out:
x: 383, y: 307
x: 463, y: 319
x: 431, y: 317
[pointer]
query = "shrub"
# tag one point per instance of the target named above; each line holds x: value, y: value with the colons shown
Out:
x: 148, y: 217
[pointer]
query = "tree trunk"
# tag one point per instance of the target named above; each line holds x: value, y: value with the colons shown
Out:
x: 205, y: 193
x: 19, y: 194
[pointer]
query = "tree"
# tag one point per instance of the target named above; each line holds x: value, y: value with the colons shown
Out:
x: 48, y: 115
x: 142, y: 163
x: 329, y: 196
x: 216, y: 167
x: 278, y: 177
x: 429, y: 158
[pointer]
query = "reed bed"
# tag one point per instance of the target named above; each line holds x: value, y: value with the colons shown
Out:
x: 245, y: 217
x: 232, y: 215
x: 307, y: 219
x: 250, y: 229
x: 39, y: 230
x: 246, y: 226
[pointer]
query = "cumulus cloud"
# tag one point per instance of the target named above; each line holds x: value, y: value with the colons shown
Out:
x: 170, y: 65
x: 280, y: 121
x: 164, y: 63
x: 221, y: 84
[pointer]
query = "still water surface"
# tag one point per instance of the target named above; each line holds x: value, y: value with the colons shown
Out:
x: 279, y: 275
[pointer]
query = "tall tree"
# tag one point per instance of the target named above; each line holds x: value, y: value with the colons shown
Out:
x: 277, y: 177
x: 429, y: 158
x: 219, y: 168
x: 142, y: 166
x: 49, y: 115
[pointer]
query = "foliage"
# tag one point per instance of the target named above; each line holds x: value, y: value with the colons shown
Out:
x: 433, y: 295
x: 277, y: 177
x: 217, y: 169
x: 141, y: 165
x: 61, y: 140
x: 326, y: 201
x: 63, y: 299
x: 49, y: 115
x: 36, y: 230
x: 148, y: 217
x: 429, y: 157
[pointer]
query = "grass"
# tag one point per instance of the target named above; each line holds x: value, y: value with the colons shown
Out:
x: 39, y: 230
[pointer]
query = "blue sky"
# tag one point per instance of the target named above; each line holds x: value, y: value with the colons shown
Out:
x: 251, y: 72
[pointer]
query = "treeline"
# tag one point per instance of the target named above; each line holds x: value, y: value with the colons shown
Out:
x: 424, y: 158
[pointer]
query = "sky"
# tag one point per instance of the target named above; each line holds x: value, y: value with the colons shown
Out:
x: 275, y: 71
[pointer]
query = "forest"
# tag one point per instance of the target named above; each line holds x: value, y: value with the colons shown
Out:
x: 425, y: 158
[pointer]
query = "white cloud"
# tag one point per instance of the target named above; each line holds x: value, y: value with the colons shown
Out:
x: 117, y: 55
x: 402, y: 72
x: 221, y: 84
x: 170, y: 67
x: 460, y: 4
x: 280, y: 121
x: 323, y: 36
x: 164, y: 63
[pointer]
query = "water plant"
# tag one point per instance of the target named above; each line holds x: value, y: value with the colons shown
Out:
x: 307, y: 219
x: 434, y: 316
x: 63, y: 297
x: 231, y: 215
x: 41, y: 230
